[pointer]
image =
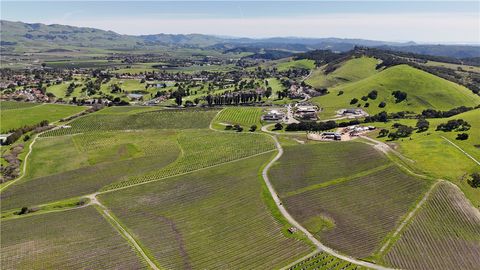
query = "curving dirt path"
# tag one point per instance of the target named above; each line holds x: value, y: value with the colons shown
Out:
x: 292, y: 221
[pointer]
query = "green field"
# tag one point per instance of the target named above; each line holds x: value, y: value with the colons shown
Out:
x: 350, y: 71
x: 64, y: 167
x: 138, y: 119
x: 296, y: 64
x: 213, y: 218
x: 423, y: 90
x: 205, y: 148
x: 445, y: 234
x: 29, y: 115
x: 11, y: 105
x: 75, y: 239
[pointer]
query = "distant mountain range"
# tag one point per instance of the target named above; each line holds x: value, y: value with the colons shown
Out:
x: 37, y: 37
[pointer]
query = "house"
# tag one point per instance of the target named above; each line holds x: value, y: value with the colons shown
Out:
x: 135, y: 96
x: 306, y: 112
x: 3, y: 138
x: 273, y: 115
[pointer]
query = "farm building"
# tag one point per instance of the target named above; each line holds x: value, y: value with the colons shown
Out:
x: 273, y: 115
x: 3, y: 138
x: 306, y: 112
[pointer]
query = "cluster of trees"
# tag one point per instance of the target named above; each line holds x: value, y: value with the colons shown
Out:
x: 17, y: 133
x: 311, y: 126
x: 431, y: 113
x: 401, y: 131
x: 462, y: 136
x: 371, y: 95
x: 70, y: 89
x: 422, y: 125
x: 237, y: 128
x: 456, y: 124
x: 399, y: 96
x: 234, y: 98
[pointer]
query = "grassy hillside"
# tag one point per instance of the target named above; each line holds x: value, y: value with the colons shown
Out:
x: 349, y: 71
x: 433, y: 155
x: 423, y: 89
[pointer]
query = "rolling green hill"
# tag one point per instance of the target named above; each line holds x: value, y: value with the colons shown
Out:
x: 423, y: 89
x: 349, y: 71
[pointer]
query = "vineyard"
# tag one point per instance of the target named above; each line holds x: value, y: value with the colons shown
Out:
x: 161, y: 119
x: 324, y: 261
x: 356, y: 215
x: 76, y: 239
x: 210, y: 219
x: 107, y: 166
x: 445, y: 234
x: 31, y: 115
x: 318, y: 161
x: 245, y: 117
x: 204, y: 148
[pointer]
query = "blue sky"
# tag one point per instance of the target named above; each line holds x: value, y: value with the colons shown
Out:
x: 420, y: 21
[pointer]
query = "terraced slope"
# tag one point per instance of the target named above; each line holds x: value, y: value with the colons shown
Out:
x: 349, y: 71
x: 445, y: 234
x: 210, y: 219
x: 76, y: 239
x: 423, y: 89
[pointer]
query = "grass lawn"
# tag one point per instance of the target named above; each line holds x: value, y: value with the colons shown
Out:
x: 75, y: 239
x: 423, y: 89
x: 11, y: 119
x: 214, y: 218
x: 444, y: 234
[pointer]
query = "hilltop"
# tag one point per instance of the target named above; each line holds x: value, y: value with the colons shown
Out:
x: 34, y: 37
x: 423, y: 89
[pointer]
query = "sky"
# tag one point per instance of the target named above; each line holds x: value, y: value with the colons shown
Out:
x: 419, y: 21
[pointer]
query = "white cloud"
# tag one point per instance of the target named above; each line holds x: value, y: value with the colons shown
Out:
x: 429, y: 27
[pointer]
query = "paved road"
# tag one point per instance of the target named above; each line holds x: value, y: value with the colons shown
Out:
x: 292, y: 221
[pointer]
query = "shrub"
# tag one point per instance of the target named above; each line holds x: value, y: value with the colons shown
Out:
x: 278, y: 126
x: 383, y: 132
x: 399, y: 96
x: 366, y: 105
x: 422, y: 125
x: 462, y: 136
x: 253, y: 128
x: 373, y: 94
x: 474, y: 180
x: 382, y: 104
x: 340, y: 93
x: 364, y: 98
x: 353, y: 101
